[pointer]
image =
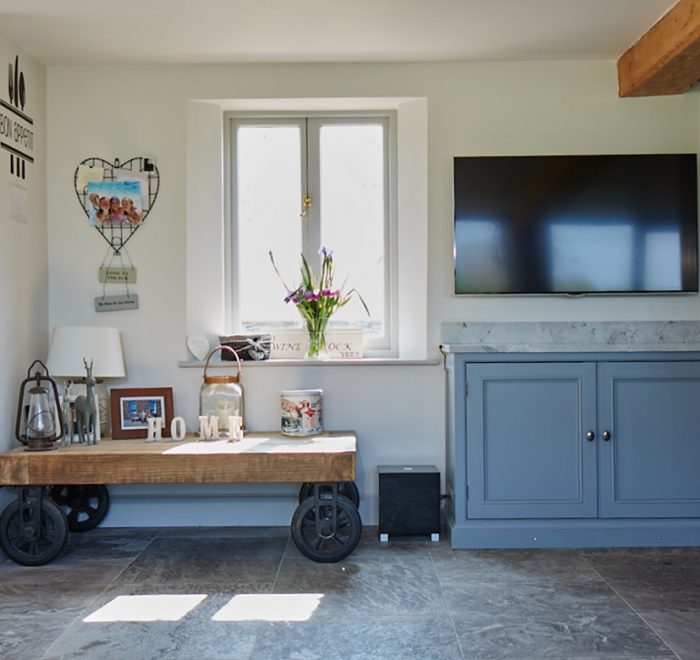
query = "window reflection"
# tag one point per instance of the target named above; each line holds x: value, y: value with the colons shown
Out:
x: 661, y: 271
x: 591, y: 257
x: 482, y: 266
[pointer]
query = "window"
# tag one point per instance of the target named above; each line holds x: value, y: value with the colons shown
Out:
x: 211, y: 246
x: 298, y: 184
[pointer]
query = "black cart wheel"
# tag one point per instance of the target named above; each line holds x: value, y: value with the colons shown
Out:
x: 85, y: 506
x: 24, y: 542
x: 346, y: 489
x: 320, y: 535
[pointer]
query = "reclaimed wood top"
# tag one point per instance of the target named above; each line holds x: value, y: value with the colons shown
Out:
x: 259, y: 457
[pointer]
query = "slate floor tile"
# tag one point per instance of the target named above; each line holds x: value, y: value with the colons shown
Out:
x: 501, y: 619
x: 680, y: 631
x: 371, y: 586
x: 249, y: 593
x: 214, y: 561
x: 359, y: 638
x: 514, y: 566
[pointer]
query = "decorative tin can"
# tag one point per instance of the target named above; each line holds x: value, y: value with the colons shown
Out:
x: 301, y: 412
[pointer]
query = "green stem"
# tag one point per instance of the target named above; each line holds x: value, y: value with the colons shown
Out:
x: 316, y: 329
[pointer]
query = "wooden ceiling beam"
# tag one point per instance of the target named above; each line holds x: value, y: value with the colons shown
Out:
x: 666, y: 59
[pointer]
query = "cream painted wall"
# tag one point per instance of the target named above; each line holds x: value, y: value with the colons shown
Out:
x: 398, y: 411
x: 23, y: 248
x: 566, y: 107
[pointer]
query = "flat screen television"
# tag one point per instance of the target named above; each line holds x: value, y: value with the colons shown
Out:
x: 586, y: 224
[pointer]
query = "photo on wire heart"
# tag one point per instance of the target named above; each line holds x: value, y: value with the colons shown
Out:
x: 111, y: 203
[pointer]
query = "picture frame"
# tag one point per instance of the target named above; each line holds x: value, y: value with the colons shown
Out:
x: 131, y: 408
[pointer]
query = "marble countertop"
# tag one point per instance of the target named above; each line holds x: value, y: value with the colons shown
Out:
x: 570, y: 336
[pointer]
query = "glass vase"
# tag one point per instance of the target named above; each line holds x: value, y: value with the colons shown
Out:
x: 316, y: 330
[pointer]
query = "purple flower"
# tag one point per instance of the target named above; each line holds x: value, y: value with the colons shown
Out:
x: 328, y: 300
x: 293, y: 296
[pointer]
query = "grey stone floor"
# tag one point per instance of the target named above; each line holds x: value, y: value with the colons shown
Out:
x: 248, y: 593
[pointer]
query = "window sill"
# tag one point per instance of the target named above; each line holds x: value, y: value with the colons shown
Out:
x: 359, y: 362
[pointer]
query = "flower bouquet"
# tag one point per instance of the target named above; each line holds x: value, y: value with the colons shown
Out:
x: 317, y: 302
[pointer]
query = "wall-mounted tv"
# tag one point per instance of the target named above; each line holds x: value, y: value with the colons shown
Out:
x: 576, y: 224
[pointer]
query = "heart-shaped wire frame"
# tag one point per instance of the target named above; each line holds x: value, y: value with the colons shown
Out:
x: 118, y: 235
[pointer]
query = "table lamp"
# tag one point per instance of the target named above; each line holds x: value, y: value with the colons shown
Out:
x: 70, y: 345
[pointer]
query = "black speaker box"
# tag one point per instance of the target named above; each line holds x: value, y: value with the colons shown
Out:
x: 409, y: 500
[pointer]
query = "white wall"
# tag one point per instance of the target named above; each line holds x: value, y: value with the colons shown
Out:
x: 565, y: 107
x: 23, y: 248
x: 477, y: 108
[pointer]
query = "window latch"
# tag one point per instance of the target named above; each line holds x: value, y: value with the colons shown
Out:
x: 306, y: 201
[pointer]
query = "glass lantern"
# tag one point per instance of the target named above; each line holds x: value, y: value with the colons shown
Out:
x: 222, y: 396
x: 39, y: 421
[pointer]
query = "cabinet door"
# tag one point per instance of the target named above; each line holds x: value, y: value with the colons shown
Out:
x: 650, y: 466
x: 527, y: 451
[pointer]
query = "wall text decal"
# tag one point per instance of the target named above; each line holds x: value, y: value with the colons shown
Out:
x: 16, y: 127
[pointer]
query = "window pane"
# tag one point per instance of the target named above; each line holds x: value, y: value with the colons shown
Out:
x: 606, y: 262
x: 352, y: 215
x: 268, y: 182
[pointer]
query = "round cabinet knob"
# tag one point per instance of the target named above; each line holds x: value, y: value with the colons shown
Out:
x: 606, y: 435
x: 590, y: 436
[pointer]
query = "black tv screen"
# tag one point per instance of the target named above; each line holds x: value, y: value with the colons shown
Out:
x: 576, y: 224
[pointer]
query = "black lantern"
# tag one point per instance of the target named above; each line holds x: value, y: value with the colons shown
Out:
x: 39, y: 422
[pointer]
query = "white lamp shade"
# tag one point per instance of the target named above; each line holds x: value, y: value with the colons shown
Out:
x: 70, y: 345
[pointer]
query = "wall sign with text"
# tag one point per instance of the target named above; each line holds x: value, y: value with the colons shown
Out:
x: 16, y: 126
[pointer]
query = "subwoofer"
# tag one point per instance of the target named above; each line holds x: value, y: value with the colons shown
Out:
x: 409, y: 501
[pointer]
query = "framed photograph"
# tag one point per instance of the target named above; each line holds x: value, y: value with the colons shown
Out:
x: 131, y: 409
x: 110, y: 203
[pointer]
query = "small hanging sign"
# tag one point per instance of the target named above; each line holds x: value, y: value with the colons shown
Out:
x: 117, y: 275
x: 116, y: 303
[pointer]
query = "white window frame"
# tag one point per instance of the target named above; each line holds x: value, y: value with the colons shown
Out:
x: 206, y: 256
x: 310, y: 124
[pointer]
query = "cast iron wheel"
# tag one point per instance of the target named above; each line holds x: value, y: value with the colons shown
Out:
x: 85, y: 506
x: 326, y: 542
x: 346, y: 489
x: 26, y: 545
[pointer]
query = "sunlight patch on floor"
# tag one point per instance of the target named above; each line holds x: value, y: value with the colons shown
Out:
x: 166, y: 607
x: 269, y: 607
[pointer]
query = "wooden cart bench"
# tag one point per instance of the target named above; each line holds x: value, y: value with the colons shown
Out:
x: 66, y: 488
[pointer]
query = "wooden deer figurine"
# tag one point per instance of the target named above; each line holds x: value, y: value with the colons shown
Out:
x: 86, y: 409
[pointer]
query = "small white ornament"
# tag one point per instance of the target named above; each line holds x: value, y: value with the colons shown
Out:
x: 155, y: 429
x: 177, y: 428
x: 198, y: 346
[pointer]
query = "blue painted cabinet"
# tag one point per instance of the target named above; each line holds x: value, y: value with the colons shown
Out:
x: 556, y: 450
x: 649, y: 448
x: 530, y: 456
